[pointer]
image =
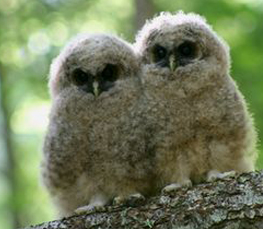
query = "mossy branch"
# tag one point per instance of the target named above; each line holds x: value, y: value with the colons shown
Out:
x: 231, y: 203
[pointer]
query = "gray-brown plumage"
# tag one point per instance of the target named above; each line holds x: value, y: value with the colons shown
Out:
x: 200, y: 119
x: 94, y: 148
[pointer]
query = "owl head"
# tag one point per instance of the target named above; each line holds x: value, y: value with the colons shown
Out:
x: 92, y: 63
x: 182, y: 46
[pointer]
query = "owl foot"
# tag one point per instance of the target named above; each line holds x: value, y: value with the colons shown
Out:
x: 97, y: 204
x: 133, y: 200
x: 214, y: 175
x: 89, y: 209
x: 175, y: 186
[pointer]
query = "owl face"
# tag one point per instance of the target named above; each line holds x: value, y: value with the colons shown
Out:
x: 93, y: 64
x: 98, y: 82
x: 181, y: 45
x: 174, y: 49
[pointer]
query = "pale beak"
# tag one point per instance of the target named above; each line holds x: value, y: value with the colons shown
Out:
x: 95, y: 88
x: 172, y: 62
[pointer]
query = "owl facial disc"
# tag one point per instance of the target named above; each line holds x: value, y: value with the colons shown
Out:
x: 96, y: 84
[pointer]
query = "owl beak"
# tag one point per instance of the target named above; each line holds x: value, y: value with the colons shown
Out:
x: 95, y: 88
x: 172, y: 63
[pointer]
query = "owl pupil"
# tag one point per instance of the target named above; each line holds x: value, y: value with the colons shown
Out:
x: 109, y: 73
x: 159, y: 53
x: 80, y: 77
x: 187, y: 49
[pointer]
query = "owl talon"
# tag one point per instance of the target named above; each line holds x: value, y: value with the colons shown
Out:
x: 118, y: 201
x: 97, y: 204
x: 136, y: 199
x: 133, y: 200
x: 89, y: 209
x: 214, y: 175
x: 175, y: 186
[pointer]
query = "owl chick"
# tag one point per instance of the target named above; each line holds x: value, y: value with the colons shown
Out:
x: 94, y: 148
x: 200, y: 119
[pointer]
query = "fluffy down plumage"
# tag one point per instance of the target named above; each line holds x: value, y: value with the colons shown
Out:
x: 200, y: 119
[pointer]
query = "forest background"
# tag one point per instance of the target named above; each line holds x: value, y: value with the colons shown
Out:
x: 32, y: 33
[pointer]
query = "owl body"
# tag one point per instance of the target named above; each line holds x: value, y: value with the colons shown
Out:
x: 91, y: 151
x: 206, y: 125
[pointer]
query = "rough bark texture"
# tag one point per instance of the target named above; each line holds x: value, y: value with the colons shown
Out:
x: 230, y: 204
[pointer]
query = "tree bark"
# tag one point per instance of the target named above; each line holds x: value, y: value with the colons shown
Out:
x: 144, y: 10
x: 231, y: 203
x: 7, y: 150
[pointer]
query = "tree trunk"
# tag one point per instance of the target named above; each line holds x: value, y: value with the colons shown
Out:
x: 144, y: 10
x: 6, y: 148
x: 231, y: 204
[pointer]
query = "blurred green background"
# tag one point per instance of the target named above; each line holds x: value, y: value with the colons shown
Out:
x: 33, y: 31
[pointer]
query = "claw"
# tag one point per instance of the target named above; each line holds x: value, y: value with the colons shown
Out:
x: 89, y: 209
x: 133, y: 200
x: 97, y: 203
x: 175, y: 186
x: 118, y: 201
x: 214, y: 175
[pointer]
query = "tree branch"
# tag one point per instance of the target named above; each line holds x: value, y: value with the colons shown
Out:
x: 231, y: 203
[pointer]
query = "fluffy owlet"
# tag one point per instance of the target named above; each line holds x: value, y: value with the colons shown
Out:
x: 94, y: 148
x: 200, y: 119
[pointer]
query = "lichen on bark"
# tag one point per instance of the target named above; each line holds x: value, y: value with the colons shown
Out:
x: 231, y: 203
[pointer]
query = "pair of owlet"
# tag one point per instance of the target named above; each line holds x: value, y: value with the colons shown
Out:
x: 134, y: 119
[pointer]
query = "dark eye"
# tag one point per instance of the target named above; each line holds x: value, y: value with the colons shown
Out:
x: 80, y: 77
x: 110, y: 73
x: 159, y: 53
x: 187, y: 49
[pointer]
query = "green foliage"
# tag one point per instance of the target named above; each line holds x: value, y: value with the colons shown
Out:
x: 31, y: 34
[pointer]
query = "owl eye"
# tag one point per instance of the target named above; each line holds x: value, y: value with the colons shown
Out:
x: 187, y: 49
x: 159, y: 53
x: 110, y: 73
x: 80, y: 77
